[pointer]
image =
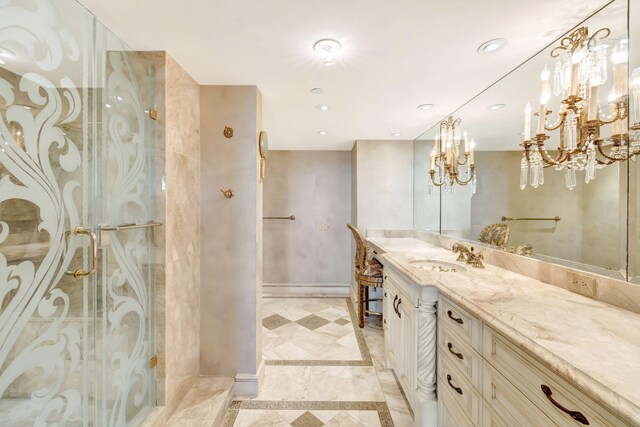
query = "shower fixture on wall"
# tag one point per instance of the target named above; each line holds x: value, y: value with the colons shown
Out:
x: 580, y: 71
x: 447, y: 159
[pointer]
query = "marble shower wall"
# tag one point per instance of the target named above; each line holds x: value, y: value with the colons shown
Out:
x: 315, y: 186
x: 178, y: 242
x: 231, y: 235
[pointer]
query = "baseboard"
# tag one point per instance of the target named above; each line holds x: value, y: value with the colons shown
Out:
x: 279, y: 290
x: 247, y: 386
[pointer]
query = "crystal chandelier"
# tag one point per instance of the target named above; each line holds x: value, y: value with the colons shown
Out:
x: 579, y: 72
x: 448, y: 162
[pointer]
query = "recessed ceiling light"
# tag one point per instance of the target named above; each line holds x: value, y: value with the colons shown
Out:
x: 323, y: 107
x: 327, y: 49
x: 396, y: 134
x: 322, y: 132
x: 492, y: 46
x: 107, y: 105
x: 317, y: 91
x: 496, y: 106
x: 425, y: 106
x: 6, y: 53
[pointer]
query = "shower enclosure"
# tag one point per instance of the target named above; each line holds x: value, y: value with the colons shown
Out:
x: 77, y: 213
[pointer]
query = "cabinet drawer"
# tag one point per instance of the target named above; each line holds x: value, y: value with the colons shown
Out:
x: 461, y: 355
x: 460, y: 391
x: 409, y: 290
x: 450, y: 414
x: 508, y: 406
x: 552, y: 394
x: 459, y: 321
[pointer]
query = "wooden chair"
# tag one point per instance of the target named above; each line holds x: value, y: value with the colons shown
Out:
x: 368, y: 275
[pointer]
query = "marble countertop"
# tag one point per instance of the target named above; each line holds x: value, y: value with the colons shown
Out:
x: 594, y: 345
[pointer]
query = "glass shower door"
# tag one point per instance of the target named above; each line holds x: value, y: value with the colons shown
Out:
x: 46, y: 214
x: 76, y: 220
x: 126, y: 223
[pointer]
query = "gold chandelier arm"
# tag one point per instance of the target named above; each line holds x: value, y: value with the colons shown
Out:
x: 545, y: 155
x: 610, y: 160
x: 433, y: 179
x: 463, y: 182
x: 561, y: 119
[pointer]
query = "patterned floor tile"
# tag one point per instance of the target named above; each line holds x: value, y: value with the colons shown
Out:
x: 274, y: 321
x: 312, y: 321
x: 322, y: 370
x: 307, y: 420
x: 341, y: 322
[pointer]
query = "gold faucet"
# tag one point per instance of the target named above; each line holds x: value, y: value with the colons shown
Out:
x: 474, y: 259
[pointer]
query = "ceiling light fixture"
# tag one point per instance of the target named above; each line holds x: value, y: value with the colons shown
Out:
x: 6, y: 53
x: 322, y: 132
x: 396, y: 134
x: 425, y: 106
x: 317, y: 91
x: 492, y: 46
x: 328, y: 49
x: 496, y: 106
x: 2, y: 61
x: 323, y: 107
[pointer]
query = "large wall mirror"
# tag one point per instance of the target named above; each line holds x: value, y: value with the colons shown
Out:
x: 565, y: 209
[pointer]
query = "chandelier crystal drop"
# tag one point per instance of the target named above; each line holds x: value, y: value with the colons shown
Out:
x: 581, y: 68
x: 452, y: 158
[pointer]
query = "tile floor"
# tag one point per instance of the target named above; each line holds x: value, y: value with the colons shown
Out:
x: 321, y: 370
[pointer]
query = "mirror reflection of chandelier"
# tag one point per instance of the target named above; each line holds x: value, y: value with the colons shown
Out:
x: 579, y: 72
x: 448, y: 161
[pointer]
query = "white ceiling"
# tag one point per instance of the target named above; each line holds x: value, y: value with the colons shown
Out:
x: 498, y: 130
x: 396, y: 55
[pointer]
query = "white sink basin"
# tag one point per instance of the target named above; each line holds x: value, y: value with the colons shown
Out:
x: 439, y: 265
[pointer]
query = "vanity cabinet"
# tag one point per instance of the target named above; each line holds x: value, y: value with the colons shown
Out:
x: 400, y: 318
x: 410, y: 337
x: 484, y: 379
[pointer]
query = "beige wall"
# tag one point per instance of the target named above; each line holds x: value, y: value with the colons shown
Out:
x: 231, y: 234
x: 384, y: 186
x: 315, y: 186
x: 178, y: 322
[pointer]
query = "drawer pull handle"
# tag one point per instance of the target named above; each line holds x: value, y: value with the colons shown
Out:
x: 457, y: 319
x: 458, y: 355
x: 457, y: 389
x: 573, y: 414
x: 398, y: 308
x: 394, y: 304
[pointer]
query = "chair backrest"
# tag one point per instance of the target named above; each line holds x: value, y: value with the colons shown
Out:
x: 361, y: 248
x: 495, y: 234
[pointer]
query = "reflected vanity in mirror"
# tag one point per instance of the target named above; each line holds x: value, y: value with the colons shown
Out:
x: 552, y: 189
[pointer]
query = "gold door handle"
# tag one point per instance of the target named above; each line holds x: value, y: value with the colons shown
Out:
x: 79, y: 231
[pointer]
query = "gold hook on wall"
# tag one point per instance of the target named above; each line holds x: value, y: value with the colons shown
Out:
x: 228, y: 132
x: 227, y: 193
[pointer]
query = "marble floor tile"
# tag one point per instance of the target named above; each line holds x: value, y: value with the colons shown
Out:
x: 285, y: 383
x: 344, y: 383
x: 252, y: 418
x: 205, y: 399
x: 312, y: 321
x: 322, y: 370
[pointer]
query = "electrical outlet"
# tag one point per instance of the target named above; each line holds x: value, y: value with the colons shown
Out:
x: 581, y: 284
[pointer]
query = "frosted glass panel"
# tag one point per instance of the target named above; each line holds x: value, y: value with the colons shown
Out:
x: 76, y: 150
